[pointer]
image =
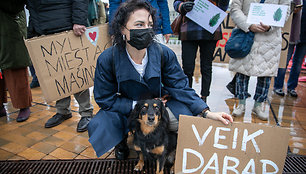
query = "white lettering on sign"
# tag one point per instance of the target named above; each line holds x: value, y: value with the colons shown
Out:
x: 264, y: 166
x: 235, y: 138
x: 251, y: 164
x: 185, y: 160
x: 231, y: 168
x: 251, y: 137
x: 214, y: 159
x: 225, y: 167
x: 218, y: 136
x: 196, y: 133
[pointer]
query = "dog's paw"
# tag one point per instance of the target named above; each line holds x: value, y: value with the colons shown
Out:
x: 139, y: 166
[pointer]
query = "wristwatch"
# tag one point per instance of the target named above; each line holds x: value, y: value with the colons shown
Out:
x: 204, y: 112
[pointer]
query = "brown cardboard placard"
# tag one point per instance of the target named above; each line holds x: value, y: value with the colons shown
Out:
x: 65, y: 63
x: 208, y: 146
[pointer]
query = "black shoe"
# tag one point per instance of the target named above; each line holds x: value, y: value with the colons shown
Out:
x: 82, y: 125
x: 34, y: 84
x: 122, y: 150
x: 2, y: 112
x: 56, y: 120
x: 292, y: 93
x: 279, y: 92
x: 23, y: 115
x: 231, y: 87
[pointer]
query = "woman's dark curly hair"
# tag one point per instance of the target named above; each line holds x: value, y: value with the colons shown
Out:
x: 123, y: 14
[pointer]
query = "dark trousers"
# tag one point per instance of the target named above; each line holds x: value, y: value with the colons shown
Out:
x: 189, y: 52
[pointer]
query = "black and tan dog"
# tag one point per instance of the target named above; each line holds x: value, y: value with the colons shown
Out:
x: 152, y: 139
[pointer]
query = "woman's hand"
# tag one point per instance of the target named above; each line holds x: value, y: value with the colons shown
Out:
x: 259, y: 28
x: 221, y: 116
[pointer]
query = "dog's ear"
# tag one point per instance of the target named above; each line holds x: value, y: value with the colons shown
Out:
x: 135, y: 112
x: 164, y: 113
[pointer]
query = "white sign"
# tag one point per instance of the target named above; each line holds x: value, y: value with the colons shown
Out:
x: 269, y: 14
x: 207, y: 15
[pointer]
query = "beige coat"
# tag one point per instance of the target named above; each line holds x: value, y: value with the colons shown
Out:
x: 263, y: 60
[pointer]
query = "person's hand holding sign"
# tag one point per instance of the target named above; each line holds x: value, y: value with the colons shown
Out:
x: 186, y: 7
x: 259, y: 28
x: 78, y: 29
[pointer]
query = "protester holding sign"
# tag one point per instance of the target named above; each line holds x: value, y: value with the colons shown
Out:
x: 193, y: 36
x: 14, y: 60
x: 138, y: 68
x: 48, y: 17
x: 163, y: 30
x: 263, y: 59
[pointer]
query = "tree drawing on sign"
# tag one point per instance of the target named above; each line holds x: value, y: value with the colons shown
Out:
x: 214, y: 20
x: 277, y: 15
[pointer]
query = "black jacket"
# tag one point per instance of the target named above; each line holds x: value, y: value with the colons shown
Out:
x: 52, y: 16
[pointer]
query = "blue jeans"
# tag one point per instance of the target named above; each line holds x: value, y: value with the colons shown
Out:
x: 297, y: 61
x: 279, y: 79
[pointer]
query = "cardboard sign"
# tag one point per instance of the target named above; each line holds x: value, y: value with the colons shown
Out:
x: 207, y: 15
x: 208, y: 146
x: 65, y: 63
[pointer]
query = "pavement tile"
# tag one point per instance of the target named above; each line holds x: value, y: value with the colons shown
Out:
x: 73, y: 147
x: 31, y: 154
x: 54, y: 141
x: 80, y: 140
x: 4, y: 155
x: 89, y: 152
x: 44, y: 147
x: 17, y: 158
x: 64, y: 135
x: 81, y: 157
x: 13, y: 148
x: 63, y: 154
x: 36, y: 136
x: 49, y: 157
x: 3, y: 141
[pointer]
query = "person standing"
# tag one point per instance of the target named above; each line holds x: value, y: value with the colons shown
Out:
x: 48, y: 17
x: 262, y: 61
x: 193, y: 36
x: 297, y: 41
x: 163, y: 30
x: 14, y: 59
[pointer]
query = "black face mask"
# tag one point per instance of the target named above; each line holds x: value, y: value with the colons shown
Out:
x: 141, y: 38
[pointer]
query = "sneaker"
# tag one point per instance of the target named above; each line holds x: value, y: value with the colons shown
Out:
x: 259, y: 112
x: 279, y: 92
x: 57, y: 119
x: 292, y: 93
x: 238, y: 111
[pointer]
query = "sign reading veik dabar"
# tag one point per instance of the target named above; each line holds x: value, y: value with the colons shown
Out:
x: 208, y: 146
x: 65, y: 63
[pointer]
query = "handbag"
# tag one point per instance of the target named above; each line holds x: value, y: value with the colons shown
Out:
x: 176, y: 25
x: 239, y: 44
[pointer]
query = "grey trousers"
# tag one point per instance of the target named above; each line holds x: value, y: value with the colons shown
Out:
x: 83, y: 98
x: 173, y: 125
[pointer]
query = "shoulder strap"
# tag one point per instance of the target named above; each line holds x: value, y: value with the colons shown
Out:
x: 113, y: 63
x: 161, y: 56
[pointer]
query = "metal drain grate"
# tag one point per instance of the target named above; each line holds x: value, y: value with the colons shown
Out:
x: 294, y: 164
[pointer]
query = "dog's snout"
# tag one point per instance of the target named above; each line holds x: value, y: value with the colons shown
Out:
x: 151, y: 118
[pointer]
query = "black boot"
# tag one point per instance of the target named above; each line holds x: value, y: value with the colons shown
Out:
x: 122, y: 150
